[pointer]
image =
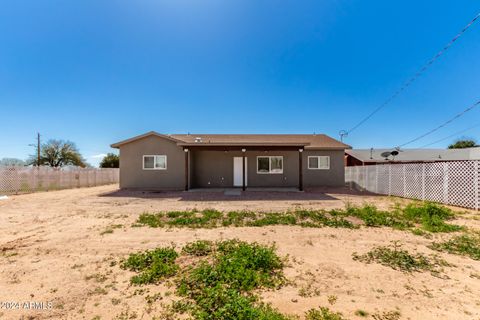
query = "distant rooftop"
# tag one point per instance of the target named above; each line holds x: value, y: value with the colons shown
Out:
x: 415, y: 155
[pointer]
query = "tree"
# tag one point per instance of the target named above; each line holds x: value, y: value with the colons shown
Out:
x: 111, y: 160
x: 463, y: 143
x: 59, y: 153
x: 12, y: 162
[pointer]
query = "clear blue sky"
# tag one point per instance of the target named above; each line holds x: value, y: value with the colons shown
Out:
x: 95, y: 72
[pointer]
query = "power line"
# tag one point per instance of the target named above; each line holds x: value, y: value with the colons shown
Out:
x: 407, y: 83
x: 458, y: 115
x: 451, y: 136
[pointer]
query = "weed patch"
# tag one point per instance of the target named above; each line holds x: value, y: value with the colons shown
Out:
x: 399, y: 259
x: 198, y: 248
x: 421, y: 218
x: 152, y: 265
x: 213, y: 219
x: 220, y: 283
x: 466, y: 245
x: 323, y: 314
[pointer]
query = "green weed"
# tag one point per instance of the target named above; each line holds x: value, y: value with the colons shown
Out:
x: 397, y: 258
x: 198, y: 248
x: 152, y: 265
x: 323, y: 314
x: 466, y: 245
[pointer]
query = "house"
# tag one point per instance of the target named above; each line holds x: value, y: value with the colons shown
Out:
x: 155, y: 161
x: 360, y: 157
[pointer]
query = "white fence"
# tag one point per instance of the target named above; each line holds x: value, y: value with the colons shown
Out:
x: 15, y: 180
x: 450, y: 182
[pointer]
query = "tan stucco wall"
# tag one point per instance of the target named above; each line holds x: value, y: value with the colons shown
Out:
x: 215, y: 168
x: 133, y: 176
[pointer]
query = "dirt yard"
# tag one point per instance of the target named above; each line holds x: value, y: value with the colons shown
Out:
x: 63, y: 248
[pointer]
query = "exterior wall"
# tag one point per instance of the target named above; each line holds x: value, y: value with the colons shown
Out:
x: 334, y: 177
x: 132, y: 175
x: 289, y: 177
x: 215, y: 169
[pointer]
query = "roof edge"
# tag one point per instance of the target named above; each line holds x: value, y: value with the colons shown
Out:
x: 150, y: 133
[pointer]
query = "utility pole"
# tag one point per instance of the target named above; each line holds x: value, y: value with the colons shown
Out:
x: 38, y: 149
x: 342, y: 133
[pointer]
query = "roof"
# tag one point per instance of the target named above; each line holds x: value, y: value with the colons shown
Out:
x: 415, y: 155
x: 308, y: 141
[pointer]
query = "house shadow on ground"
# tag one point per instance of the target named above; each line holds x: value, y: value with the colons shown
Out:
x: 317, y: 194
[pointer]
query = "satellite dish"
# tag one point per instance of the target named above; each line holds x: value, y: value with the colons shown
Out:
x: 386, y: 154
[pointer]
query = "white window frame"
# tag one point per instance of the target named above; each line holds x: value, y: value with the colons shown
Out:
x: 318, y: 161
x: 270, y: 165
x: 154, y: 161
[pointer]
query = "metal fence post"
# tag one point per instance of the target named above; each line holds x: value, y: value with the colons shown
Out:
x: 404, y: 182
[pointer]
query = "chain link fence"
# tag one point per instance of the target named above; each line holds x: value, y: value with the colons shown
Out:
x: 449, y: 182
x: 15, y: 180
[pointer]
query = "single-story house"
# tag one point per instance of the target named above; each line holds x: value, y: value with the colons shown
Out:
x: 155, y: 161
x: 361, y: 157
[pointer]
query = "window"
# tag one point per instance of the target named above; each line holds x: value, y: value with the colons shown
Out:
x: 319, y: 162
x: 154, y: 162
x: 273, y: 164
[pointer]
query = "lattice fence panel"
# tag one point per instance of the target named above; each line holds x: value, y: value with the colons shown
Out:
x: 15, y: 180
x: 383, y: 184
x: 434, y: 182
x: 397, y: 186
x: 413, y: 181
x: 454, y: 182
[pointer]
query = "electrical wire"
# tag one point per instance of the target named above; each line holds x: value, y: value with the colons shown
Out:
x: 407, y: 83
x: 451, y: 136
x: 458, y: 115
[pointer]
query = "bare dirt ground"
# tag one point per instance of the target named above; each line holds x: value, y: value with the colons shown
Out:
x: 53, y: 249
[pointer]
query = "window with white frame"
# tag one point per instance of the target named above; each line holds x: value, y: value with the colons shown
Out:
x: 319, y: 162
x: 270, y: 164
x: 154, y: 162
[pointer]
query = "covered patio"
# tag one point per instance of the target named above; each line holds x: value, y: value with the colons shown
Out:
x: 274, y: 167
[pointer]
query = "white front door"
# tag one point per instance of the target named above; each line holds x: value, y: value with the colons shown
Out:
x: 238, y: 171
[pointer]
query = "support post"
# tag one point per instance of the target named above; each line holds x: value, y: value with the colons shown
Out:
x: 186, y: 168
x: 300, y: 169
x: 243, y: 169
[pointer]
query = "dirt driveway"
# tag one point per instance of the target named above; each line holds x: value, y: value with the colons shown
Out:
x: 62, y: 248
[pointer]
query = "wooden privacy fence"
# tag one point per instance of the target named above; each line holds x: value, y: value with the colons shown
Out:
x: 14, y: 180
x: 449, y: 182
